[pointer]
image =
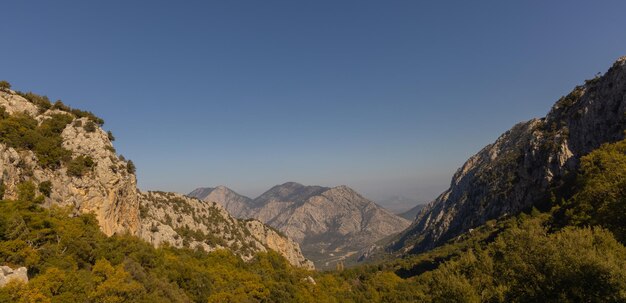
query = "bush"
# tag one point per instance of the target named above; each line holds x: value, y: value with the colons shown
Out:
x: 110, y: 135
x: 26, y: 191
x: 21, y: 131
x: 79, y: 166
x: 90, y: 127
x: 130, y: 167
x: 41, y: 101
x: 45, y: 188
x: 4, y: 85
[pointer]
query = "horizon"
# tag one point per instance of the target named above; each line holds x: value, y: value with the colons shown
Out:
x: 387, y: 99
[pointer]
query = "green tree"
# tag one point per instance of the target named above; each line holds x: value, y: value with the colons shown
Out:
x: 5, y: 85
x: 45, y: 188
x: 79, y: 166
x: 26, y: 191
x: 130, y: 167
x: 90, y: 127
x: 601, y: 199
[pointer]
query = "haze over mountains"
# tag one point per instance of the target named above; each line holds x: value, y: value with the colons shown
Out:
x: 331, y: 224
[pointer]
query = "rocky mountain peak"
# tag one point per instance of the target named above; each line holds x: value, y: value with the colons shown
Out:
x: 540, y: 154
x: 290, y: 191
x: 331, y: 224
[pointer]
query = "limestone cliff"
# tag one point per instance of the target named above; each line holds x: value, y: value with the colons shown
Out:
x: 524, y: 167
x: 187, y: 222
x: 88, y: 176
x: 107, y: 189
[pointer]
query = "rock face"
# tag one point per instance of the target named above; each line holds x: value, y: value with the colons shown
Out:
x: 108, y: 189
x: 331, y: 224
x: 525, y: 164
x: 7, y: 275
x: 187, y: 222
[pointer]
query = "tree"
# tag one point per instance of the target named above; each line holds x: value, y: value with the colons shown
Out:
x: 45, y: 188
x: 90, y: 127
x: 79, y: 166
x: 130, y: 166
x: 4, y: 85
x: 601, y: 200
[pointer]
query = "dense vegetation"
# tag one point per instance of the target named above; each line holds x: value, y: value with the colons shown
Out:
x: 22, y: 131
x: 573, y: 253
x: 529, y: 258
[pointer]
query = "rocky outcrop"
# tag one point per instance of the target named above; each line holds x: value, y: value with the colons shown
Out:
x: 108, y: 190
x: 187, y: 222
x: 331, y: 224
x: 524, y: 165
x: 7, y: 274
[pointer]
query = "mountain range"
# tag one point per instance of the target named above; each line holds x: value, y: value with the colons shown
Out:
x: 331, y: 224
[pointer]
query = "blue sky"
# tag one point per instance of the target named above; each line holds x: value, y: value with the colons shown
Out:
x: 389, y: 97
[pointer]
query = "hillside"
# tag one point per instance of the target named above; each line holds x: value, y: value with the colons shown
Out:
x: 331, y: 224
x: 567, y: 255
x: 528, y: 166
x: 567, y: 248
x: 69, y: 160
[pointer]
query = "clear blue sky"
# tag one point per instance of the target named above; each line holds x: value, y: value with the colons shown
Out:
x: 388, y: 97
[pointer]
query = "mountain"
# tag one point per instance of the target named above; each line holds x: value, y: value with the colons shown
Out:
x: 331, y: 224
x: 398, y: 204
x: 526, y: 166
x: 236, y: 204
x: 64, y: 158
x: 411, y: 213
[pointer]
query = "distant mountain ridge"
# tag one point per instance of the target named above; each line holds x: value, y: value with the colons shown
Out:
x: 412, y: 213
x: 331, y: 224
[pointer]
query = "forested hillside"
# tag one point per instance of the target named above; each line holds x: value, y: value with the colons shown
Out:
x: 569, y: 254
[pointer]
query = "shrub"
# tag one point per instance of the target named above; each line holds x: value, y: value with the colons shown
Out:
x: 110, y: 135
x: 45, y: 188
x: 26, y: 191
x: 3, y: 188
x: 41, y: 101
x: 5, y: 85
x: 22, y: 132
x: 79, y: 166
x: 90, y: 127
x: 130, y: 167
x: 61, y: 106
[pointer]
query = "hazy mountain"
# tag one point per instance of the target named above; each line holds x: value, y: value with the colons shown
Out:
x: 411, y: 213
x: 331, y: 224
x: 398, y: 204
x: 526, y: 165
